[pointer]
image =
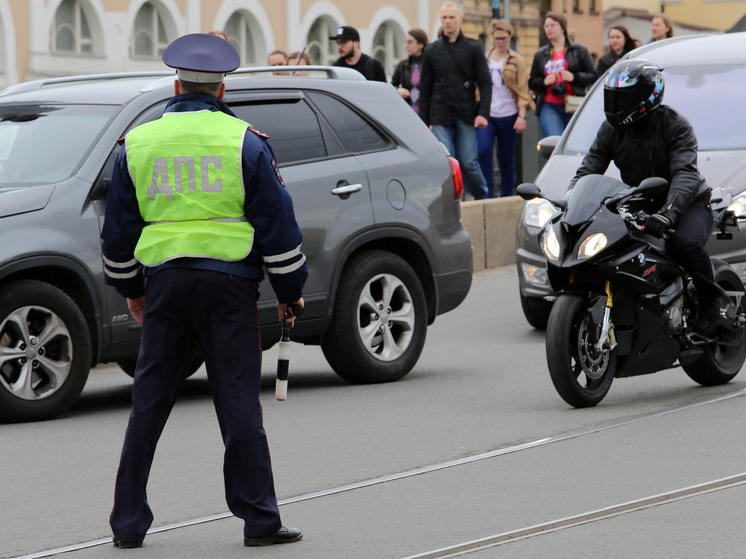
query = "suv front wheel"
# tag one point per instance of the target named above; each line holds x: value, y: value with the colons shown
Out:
x: 45, y: 351
x: 380, y: 320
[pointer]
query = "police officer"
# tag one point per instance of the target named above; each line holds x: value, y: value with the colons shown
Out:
x: 196, y: 207
x: 647, y: 139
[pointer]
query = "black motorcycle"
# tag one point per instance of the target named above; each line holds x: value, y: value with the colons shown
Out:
x: 623, y: 306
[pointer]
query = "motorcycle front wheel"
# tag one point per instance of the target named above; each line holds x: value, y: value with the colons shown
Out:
x: 581, y: 374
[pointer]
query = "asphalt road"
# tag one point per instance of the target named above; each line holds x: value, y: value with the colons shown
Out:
x: 472, y: 453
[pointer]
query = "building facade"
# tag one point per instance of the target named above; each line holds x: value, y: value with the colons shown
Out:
x: 47, y: 38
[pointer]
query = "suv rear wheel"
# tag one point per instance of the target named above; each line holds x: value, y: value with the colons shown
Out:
x: 45, y: 351
x: 380, y: 320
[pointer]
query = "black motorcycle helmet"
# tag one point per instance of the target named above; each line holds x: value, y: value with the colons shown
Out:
x: 633, y: 89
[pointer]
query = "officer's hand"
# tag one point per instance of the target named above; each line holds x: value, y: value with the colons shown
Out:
x: 281, y: 307
x: 137, y: 308
x: 657, y: 224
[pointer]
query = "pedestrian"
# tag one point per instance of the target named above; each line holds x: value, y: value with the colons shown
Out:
x: 560, y: 68
x: 277, y: 58
x: 196, y: 208
x: 620, y: 43
x: 508, y: 107
x: 453, y: 68
x: 661, y: 27
x: 219, y: 33
x: 299, y: 58
x: 645, y: 138
x: 350, y: 55
x: 406, y: 78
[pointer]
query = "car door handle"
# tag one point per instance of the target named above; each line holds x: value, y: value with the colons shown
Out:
x: 345, y: 190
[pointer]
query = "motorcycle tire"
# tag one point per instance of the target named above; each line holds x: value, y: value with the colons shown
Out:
x: 581, y: 375
x: 722, y: 359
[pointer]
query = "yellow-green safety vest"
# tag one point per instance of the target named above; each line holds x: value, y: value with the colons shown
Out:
x: 186, y: 168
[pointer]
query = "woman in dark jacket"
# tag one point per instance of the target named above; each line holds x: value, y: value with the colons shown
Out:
x: 620, y: 43
x: 559, y: 69
x: 406, y: 78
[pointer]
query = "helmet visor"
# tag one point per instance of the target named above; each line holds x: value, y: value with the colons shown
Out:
x: 619, y: 102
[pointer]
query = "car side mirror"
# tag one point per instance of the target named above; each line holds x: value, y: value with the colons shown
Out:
x: 528, y: 191
x: 546, y: 145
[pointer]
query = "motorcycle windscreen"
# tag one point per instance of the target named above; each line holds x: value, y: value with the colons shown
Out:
x: 588, y: 196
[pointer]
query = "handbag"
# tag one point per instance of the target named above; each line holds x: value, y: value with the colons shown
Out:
x: 572, y: 102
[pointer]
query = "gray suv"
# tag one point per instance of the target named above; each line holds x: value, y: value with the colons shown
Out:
x: 377, y: 198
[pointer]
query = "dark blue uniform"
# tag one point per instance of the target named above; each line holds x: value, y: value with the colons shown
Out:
x: 211, y: 305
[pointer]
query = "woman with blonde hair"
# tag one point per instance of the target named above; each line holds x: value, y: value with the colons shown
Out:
x: 661, y: 27
x: 508, y: 106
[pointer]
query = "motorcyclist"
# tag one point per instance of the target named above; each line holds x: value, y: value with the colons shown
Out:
x: 647, y: 139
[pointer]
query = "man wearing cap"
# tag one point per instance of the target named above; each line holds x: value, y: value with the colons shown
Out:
x: 348, y: 47
x: 196, y: 207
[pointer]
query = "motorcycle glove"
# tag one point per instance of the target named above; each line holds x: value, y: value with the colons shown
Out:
x: 657, y: 224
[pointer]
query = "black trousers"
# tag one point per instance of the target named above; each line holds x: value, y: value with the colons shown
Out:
x: 186, y: 308
x: 687, y: 247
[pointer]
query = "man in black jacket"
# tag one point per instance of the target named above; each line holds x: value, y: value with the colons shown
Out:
x: 453, y: 67
x: 647, y: 139
x: 350, y: 56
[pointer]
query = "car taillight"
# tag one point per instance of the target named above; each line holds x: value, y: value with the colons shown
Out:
x: 458, y: 180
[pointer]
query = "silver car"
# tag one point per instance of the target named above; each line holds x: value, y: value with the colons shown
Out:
x: 375, y: 194
x: 705, y: 78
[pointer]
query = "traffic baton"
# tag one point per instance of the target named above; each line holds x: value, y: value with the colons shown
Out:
x: 283, y: 356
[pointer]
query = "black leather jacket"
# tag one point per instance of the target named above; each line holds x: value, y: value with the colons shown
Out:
x: 451, y: 73
x: 661, y: 144
x: 579, y: 63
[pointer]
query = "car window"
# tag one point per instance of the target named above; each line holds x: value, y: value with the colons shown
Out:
x: 709, y: 96
x: 292, y: 126
x: 45, y: 144
x: 356, y: 134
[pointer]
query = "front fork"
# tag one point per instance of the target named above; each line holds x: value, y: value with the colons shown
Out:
x: 606, y: 339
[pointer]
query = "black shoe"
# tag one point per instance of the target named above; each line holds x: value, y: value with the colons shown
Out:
x: 707, y: 322
x: 121, y: 544
x: 283, y: 535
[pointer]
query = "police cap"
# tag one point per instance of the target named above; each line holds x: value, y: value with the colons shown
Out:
x: 201, y: 57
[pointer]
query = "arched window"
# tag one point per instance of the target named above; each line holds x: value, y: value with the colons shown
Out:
x: 71, y: 33
x: 320, y: 48
x: 239, y: 34
x: 388, y: 46
x: 149, y: 39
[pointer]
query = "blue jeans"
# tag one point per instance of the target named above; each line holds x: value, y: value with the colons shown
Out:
x: 507, y: 139
x: 461, y: 140
x: 553, y: 119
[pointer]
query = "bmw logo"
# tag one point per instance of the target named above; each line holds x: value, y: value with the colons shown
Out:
x: 641, y: 259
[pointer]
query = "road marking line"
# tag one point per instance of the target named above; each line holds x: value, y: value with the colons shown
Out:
x: 406, y: 474
x: 584, y: 518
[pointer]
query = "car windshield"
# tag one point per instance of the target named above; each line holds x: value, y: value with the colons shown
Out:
x: 709, y: 96
x: 46, y: 143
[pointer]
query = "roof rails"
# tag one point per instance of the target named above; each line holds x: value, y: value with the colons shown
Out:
x: 327, y: 72
x: 65, y: 80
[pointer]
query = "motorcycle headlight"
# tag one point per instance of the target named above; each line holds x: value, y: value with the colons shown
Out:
x: 591, y: 246
x: 538, y: 212
x: 738, y: 206
x: 550, y: 245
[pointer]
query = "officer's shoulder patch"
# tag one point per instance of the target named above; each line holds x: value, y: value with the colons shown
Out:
x: 262, y: 135
x: 277, y: 172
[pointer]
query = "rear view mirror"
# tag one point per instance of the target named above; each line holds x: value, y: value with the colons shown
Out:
x: 653, y: 186
x: 546, y: 145
x: 528, y: 191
